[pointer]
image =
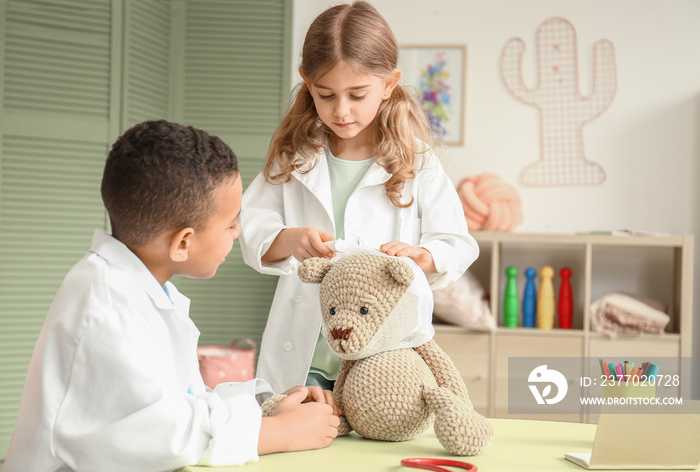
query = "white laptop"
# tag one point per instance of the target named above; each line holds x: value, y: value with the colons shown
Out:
x: 644, y: 441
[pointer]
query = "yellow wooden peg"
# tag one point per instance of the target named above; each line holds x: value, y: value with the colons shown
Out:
x: 545, y: 301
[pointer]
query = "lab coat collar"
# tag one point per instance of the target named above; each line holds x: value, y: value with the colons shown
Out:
x: 375, y: 175
x: 318, y: 182
x: 315, y: 178
x: 118, y: 254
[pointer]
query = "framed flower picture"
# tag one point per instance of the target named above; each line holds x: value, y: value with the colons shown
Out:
x: 437, y: 74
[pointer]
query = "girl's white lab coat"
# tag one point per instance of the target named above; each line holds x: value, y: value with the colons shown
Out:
x: 114, y: 384
x: 435, y: 221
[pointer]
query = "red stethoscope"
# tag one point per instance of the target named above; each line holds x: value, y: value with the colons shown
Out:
x: 433, y: 464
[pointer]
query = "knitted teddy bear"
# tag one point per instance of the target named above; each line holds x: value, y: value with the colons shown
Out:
x: 394, y: 381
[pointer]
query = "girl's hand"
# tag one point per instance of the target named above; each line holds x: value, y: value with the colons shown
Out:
x: 302, y: 243
x: 419, y: 255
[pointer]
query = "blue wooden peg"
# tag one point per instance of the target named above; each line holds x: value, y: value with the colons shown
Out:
x: 530, y: 299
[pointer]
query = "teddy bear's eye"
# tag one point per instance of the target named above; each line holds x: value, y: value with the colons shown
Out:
x: 332, y: 311
x: 364, y: 310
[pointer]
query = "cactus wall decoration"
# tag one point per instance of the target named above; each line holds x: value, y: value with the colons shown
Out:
x: 563, y: 109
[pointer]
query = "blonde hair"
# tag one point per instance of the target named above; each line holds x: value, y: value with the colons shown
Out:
x: 355, y: 34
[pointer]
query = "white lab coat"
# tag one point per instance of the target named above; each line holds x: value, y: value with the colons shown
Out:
x: 435, y: 221
x: 114, y: 383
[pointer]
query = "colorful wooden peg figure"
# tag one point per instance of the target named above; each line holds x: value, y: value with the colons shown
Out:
x: 529, y: 299
x: 566, y: 301
x: 510, y: 299
x: 545, y: 302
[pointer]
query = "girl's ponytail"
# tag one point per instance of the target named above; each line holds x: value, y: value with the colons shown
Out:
x: 298, y: 132
x: 403, y: 133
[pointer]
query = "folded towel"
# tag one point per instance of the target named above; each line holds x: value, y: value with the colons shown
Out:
x: 464, y: 303
x: 626, y: 314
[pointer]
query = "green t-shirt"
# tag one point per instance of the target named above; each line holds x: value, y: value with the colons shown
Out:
x: 344, y: 176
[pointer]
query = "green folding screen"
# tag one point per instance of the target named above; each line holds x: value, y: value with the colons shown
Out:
x: 73, y: 75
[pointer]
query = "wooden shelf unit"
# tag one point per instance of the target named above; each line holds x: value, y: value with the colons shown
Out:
x: 657, y: 267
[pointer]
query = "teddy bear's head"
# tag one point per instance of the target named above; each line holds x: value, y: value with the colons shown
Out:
x: 366, y: 303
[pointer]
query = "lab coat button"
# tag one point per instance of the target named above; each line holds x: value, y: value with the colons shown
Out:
x: 287, y: 346
x: 299, y: 297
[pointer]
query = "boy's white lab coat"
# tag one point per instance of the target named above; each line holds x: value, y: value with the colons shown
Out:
x: 114, y: 383
x: 435, y: 221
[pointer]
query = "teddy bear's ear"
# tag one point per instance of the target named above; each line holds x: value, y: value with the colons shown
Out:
x: 401, y: 271
x: 314, y: 269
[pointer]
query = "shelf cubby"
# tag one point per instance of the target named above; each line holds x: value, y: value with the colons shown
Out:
x: 658, y: 268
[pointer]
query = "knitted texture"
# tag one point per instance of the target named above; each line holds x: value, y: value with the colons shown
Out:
x: 490, y: 203
x: 379, y: 404
x: 459, y: 428
x: 443, y: 369
x: 270, y: 405
x: 358, y: 294
x: 394, y: 394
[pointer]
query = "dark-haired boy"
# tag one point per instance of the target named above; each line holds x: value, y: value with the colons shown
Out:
x: 114, y: 383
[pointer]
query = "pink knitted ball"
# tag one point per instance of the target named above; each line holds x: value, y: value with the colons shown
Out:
x: 490, y: 203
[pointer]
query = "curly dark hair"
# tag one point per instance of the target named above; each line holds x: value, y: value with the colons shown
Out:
x: 161, y: 176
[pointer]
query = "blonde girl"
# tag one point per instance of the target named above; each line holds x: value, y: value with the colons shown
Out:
x: 350, y: 160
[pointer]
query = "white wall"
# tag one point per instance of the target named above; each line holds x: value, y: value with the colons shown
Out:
x: 648, y: 141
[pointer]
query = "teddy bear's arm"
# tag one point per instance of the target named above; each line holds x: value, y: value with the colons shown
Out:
x: 443, y: 369
x: 270, y: 405
x: 345, y: 367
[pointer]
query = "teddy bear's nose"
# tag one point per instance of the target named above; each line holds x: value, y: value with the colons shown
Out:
x: 340, y: 333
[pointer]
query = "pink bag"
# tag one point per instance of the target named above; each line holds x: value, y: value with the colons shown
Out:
x: 231, y: 363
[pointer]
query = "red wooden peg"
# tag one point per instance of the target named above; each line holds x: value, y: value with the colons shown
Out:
x: 566, y: 302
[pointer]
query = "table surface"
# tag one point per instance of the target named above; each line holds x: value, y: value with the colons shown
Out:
x: 518, y: 445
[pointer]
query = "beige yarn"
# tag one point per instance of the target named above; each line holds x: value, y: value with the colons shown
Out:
x: 397, y: 394
x: 490, y: 203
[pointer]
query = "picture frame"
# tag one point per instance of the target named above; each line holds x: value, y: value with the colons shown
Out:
x: 437, y: 75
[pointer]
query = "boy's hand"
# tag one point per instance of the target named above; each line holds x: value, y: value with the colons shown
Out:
x: 297, y: 426
x: 317, y: 394
x: 302, y: 243
x: 419, y: 255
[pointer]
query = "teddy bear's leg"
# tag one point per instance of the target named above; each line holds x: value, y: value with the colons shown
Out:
x: 459, y: 428
x: 443, y: 369
x: 344, y: 428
